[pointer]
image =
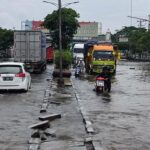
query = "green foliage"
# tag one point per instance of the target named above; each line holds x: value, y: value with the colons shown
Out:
x: 6, y: 40
x: 138, y: 39
x: 69, y: 26
x: 66, y: 59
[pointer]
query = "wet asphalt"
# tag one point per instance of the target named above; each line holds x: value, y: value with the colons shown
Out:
x: 21, y: 110
x: 18, y: 111
x: 120, y: 119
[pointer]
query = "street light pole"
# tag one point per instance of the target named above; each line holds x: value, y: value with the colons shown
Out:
x: 131, y: 11
x: 60, y: 43
x: 67, y: 4
x: 55, y: 4
x: 59, y: 5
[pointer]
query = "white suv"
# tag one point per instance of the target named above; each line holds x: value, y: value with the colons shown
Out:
x: 14, y: 76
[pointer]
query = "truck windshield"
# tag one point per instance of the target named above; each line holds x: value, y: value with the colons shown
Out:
x: 103, y: 55
x: 78, y: 50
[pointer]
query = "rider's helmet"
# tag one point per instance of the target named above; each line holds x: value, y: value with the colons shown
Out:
x: 105, y: 68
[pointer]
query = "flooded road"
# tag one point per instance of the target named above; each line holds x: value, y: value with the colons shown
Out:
x: 18, y: 111
x: 120, y: 119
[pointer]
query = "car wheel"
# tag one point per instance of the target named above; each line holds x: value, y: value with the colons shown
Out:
x: 27, y: 88
x: 30, y: 85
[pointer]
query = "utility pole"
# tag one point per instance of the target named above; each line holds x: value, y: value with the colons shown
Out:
x: 131, y: 11
x: 140, y: 23
x: 149, y: 23
x: 61, y: 81
x: 59, y: 6
x: 142, y: 20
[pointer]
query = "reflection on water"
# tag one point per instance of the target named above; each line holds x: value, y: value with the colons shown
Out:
x: 145, y: 71
x: 120, y: 118
x: 106, y: 97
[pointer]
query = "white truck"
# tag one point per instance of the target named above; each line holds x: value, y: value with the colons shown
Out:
x: 30, y: 48
x: 78, y: 51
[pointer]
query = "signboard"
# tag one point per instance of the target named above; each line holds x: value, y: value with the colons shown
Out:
x: 123, y: 39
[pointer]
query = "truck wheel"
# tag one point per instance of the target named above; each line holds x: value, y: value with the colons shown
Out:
x: 87, y: 71
x: 114, y: 72
x: 44, y: 68
x: 91, y: 71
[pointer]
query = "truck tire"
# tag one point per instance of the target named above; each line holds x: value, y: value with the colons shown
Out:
x: 91, y: 72
x: 43, y: 68
x: 114, y: 72
x: 87, y: 71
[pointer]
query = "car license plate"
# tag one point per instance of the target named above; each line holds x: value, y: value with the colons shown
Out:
x: 7, y: 78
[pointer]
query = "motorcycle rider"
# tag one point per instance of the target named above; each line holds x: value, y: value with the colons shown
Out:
x: 81, y: 64
x: 106, y: 74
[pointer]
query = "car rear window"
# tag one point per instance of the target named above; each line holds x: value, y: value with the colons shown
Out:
x: 10, y: 69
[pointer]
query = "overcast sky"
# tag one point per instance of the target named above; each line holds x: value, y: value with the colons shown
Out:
x: 111, y: 13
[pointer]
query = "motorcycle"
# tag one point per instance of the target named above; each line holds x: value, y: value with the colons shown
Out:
x: 77, y: 71
x: 100, y: 85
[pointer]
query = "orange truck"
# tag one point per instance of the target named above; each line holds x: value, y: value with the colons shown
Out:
x: 99, y: 54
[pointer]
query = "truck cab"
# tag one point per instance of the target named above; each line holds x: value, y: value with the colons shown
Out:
x: 99, y: 55
x: 78, y: 51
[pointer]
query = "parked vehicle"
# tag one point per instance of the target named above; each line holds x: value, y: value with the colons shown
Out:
x: 13, y: 76
x: 30, y: 48
x: 99, y: 54
x: 49, y: 54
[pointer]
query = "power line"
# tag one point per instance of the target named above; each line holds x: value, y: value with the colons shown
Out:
x: 142, y: 20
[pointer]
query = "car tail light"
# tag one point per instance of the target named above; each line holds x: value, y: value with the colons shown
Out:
x: 21, y: 75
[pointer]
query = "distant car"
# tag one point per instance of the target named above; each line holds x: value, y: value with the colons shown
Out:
x: 13, y: 76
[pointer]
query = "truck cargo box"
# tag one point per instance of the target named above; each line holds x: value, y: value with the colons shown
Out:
x: 29, y: 46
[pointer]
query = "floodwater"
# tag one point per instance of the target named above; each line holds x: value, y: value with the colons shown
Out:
x: 18, y: 111
x: 121, y: 118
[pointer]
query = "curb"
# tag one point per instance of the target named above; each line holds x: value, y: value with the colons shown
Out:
x: 39, y: 135
x: 88, y: 124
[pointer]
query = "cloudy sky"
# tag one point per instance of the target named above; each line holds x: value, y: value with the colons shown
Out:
x: 111, y: 13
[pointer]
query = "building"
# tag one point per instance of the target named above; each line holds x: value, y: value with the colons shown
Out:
x: 33, y: 25
x: 87, y: 30
x: 38, y: 25
x: 26, y: 25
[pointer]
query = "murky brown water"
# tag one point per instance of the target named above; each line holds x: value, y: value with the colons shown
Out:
x: 121, y: 119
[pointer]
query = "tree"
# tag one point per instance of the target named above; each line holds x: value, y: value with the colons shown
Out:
x: 134, y: 39
x: 6, y: 41
x: 134, y: 35
x: 69, y: 26
x: 144, y: 42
